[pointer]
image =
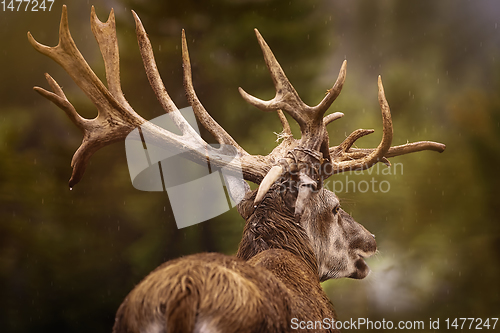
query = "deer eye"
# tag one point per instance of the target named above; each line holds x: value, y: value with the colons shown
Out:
x: 335, y: 210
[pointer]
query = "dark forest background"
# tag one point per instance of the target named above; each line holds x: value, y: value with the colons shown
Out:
x: 68, y: 259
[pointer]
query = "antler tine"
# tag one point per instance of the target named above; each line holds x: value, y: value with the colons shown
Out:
x: 59, y: 98
x: 339, y: 162
x: 105, y: 34
x: 345, y: 158
x: 67, y: 55
x: 155, y: 79
x: 333, y: 93
x: 253, y: 167
x: 287, y: 131
x: 332, y: 117
x: 415, y: 147
x: 201, y: 113
x: 115, y: 120
x: 349, y: 141
x: 407, y: 148
x: 287, y: 99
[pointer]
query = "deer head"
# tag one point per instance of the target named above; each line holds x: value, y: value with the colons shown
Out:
x: 291, y: 209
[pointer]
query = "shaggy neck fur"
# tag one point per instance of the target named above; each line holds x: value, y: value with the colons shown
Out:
x: 272, y: 225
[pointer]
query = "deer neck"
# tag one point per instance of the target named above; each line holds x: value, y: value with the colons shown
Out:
x: 272, y: 226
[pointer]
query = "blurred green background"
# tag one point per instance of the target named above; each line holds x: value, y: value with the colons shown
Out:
x: 68, y: 259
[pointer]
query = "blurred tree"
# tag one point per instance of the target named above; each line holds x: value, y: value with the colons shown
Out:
x: 67, y: 259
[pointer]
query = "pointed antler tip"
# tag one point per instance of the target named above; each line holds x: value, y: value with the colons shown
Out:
x: 72, y: 182
x: 136, y: 17
x: 243, y: 94
x: 343, y: 68
x: 248, y: 98
x: 380, y: 85
x: 64, y: 20
x: 184, y: 48
x: 332, y: 117
x: 93, y: 16
x: 259, y: 36
x: 30, y: 37
x: 186, y: 63
x: 36, y: 45
x: 138, y: 24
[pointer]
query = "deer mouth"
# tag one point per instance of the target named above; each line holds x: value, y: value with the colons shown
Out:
x: 361, y: 268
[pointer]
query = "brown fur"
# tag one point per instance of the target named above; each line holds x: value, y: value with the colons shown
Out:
x: 274, y: 277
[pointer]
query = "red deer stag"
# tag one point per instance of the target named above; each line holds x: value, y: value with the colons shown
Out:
x: 295, y: 236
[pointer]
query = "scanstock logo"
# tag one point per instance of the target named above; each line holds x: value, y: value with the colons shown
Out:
x: 197, y: 191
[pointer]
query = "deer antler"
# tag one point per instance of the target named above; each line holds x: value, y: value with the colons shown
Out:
x: 314, y: 136
x: 116, y: 118
x: 345, y: 158
x: 310, y: 119
x: 376, y: 155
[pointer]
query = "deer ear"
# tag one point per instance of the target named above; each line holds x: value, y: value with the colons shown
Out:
x: 306, y: 186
